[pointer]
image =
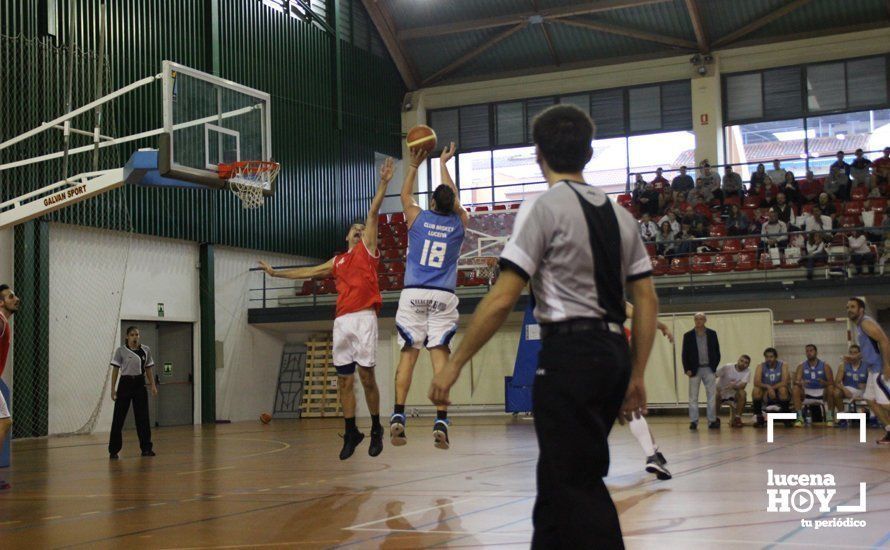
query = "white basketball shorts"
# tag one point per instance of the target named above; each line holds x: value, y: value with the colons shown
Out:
x: 426, y: 318
x: 4, y: 409
x: 355, y: 341
x: 856, y: 393
x: 881, y: 389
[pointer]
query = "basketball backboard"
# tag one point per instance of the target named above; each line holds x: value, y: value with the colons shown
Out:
x: 209, y: 120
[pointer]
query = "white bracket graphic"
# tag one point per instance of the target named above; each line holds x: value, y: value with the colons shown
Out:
x: 776, y: 416
x: 855, y: 416
x: 861, y: 506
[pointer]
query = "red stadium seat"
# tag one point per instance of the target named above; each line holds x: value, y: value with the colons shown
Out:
x: 624, y: 200
x: 659, y: 266
x: 480, y: 209
x: 386, y: 242
x: 500, y: 207
x: 766, y: 262
x: 399, y: 229
x: 853, y: 208
x: 751, y: 202
x: 751, y: 243
x: 879, y: 204
x: 382, y: 219
x: 392, y: 254
x: 849, y: 221
x: 859, y: 193
x: 729, y: 201
x: 398, y: 217
x: 717, y: 230
x: 381, y: 266
x: 731, y: 245
x: 514, y: 206
x: 650, y: 249
x: 746, y: 261
x: 723, y: 263
x: 395, y: 267
x: 679, y: 266
x: 307, y: 289
x: 701, y: 263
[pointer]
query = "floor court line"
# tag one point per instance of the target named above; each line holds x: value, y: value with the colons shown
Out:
x: 745, y: 542
x: 206, y: 470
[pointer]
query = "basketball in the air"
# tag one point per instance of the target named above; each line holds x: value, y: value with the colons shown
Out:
x: 265, y: 418
x: 421, y: 137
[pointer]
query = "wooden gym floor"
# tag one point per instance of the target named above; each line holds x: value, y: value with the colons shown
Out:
x: 281, y: 486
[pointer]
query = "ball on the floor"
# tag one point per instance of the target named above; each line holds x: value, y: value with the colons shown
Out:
x: 421, y: 137
x: 265, y: 418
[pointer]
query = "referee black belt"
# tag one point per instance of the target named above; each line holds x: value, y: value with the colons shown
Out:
x: 132, y: 376
x: 574, y: 326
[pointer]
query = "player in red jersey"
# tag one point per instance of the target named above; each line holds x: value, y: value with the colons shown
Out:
x: 9, y: 304
x: 355, y: 326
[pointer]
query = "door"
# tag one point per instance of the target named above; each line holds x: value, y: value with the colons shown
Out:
x: 174, y: 374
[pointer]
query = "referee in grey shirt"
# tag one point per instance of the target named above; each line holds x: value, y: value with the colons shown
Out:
x: 581, y: 255
x: 133, y: 363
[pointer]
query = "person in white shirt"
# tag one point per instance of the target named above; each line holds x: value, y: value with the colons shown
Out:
x: 817, y: 221
x: 777, y: 174
x: 774, y: 231
x: 861, y: 253
x: 867, y: 218
x: 731, y: 383
x: 648, y: 229
x: 815, y: 252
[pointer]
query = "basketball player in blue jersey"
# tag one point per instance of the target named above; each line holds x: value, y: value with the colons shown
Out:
x: 875, y: 354
x: 427, y: 314
x: 813, y: 380
x: 850, y: 380
x: 771, y: 380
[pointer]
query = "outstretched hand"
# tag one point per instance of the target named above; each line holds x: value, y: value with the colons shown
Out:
x: 441, y: 385
x: 666, y: 332
x: 447, y: 153
x: 386, y: 170
x: 418, y: 155
x: 267, y: 268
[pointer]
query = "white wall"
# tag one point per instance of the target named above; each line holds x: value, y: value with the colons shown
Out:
x: 246, y: 378
x: 97, y: 279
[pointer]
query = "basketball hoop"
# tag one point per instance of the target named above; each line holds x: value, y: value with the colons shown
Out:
x: 249, y: 178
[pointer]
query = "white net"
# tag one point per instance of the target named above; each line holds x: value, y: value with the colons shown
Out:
x: 250, y: 179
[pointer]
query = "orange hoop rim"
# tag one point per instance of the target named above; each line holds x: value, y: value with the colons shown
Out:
x: 226, y: 171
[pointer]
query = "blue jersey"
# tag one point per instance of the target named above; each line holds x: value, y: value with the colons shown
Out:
x: 813, y: 374
x: 854, y: 377
x: 771, y: 376
x: 871, y: 356
x: 434, y: 242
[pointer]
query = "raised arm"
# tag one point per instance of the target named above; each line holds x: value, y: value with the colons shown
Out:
x: 447, y: 155
x: 409, y: 204
x: 309, y: 272
x: 369, y: 235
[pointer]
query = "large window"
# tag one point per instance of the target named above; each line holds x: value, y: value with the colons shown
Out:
x: 804, y: 115
x: 637, y: 129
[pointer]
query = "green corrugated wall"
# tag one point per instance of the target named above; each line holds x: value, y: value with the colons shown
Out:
x: 327, y: 172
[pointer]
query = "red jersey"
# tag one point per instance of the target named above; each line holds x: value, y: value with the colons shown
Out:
x: 355, y: 274
x: 5, y: 339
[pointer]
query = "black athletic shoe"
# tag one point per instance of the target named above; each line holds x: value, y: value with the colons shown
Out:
x: 351, y: 440
x: 397, y: 430
x: 760, y: 423
x: 715, y: 425
x: 440, y: 435
x: 113, y: 457
x: 885, y: 441
x: 693, y: 426
x: 376, y: 446
x: 661, y: 457
x: 657, y: 467
x: 148, y: 453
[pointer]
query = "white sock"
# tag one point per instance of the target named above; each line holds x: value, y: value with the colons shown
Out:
x: 640, y: 428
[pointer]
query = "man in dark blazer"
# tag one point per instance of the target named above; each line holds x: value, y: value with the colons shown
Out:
x: 701, y: 356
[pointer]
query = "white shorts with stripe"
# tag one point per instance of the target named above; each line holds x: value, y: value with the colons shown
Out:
x: 877, y: 390
x: 426, y: 317
x: 4, y: 409
x: 355, y: 341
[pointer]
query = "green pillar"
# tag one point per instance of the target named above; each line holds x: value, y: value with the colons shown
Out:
x: 207, y: 290
x: 30, y: 375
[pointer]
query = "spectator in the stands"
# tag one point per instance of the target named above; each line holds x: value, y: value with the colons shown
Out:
x: 732, y: 184
x: 682, y: 185
x: 817, y: 222
x: 785, y: 211
x: 837, y: 184
x: 711, y: 181
x: 758, y: 180
x: 777, y: 174
x: 809, y: 189
x: 699, y: 231
x: 757, y: 221
x: 861, y: 252
x: 691, y: 218
x: 815, y: 253
x: 867, y: 219
x: 700, y: 194
x: 774, y: 232
x: 860, y: 170
x: 648, y: 229
x: 684, y: 244
x: 664, y: 241
x: 649, y: 201
x: 826, y: 205
x: 881, y: 168
x: 671, y: 218
x: 736, y: 221
x: 790, y: 187
x: 660, y: 183
x: 769, y: 192
x: 639, y: 188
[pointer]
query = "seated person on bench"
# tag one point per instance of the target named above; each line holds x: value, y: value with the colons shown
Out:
x: 851, y: 380
x: 731, y: 383
x: 813, y: 384
x: 771, y: 380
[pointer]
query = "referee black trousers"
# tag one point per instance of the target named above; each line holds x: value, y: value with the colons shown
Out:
x: 130, y: 388
x: 580, y: 386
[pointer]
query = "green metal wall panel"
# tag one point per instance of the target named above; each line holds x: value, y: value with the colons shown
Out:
x: 327, y: 176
